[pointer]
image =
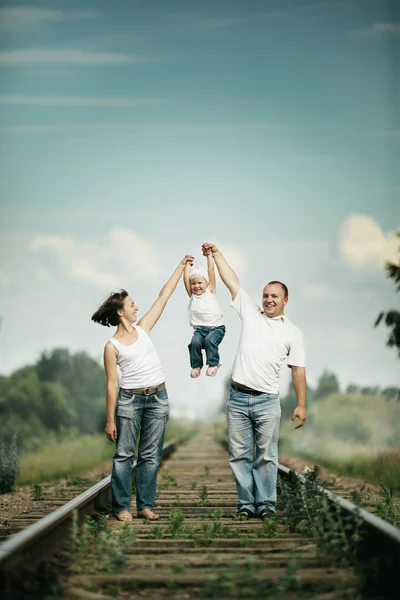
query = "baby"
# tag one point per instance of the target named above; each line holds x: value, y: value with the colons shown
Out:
x: 205, y: 316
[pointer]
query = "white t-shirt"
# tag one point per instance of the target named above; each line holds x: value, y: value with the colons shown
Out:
x: 139, y: 362
x: 265, y: 344
x: 205, y: 310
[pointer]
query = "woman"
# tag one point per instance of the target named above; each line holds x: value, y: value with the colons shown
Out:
x: 142, y: 404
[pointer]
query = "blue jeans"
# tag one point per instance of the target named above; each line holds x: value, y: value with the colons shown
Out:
x: 147, y: 416
x: 254, y: 419
x: 207, y: 338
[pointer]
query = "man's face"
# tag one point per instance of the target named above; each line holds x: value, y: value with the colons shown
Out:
x: 273, y: 300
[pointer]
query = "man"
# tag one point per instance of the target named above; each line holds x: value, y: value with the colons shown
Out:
x: 266, y: 341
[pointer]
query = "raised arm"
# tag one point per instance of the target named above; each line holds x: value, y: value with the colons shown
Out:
x: 212, y: 282
x: 148, y: 320
x: 300, y: 387
x: 226, y: 272
x: 110, y: 366
x: 186, y: 279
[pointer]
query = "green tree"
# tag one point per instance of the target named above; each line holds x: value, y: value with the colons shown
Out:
x: 84, y: 381
x: 327, y: 384
x: 392, y: 317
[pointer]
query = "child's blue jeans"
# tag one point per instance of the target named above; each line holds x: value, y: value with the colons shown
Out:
x: 208, y: 339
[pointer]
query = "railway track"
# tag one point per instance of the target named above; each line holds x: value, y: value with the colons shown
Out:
x: 199, y: 549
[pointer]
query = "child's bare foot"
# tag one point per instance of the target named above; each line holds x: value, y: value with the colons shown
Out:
x: 212, y: 371
x: 195, y: 372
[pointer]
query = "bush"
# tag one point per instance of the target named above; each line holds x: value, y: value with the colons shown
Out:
x: 351, y: 429
x: 9, y: 466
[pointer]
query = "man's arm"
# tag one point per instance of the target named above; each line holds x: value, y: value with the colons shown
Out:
x: 212, y: 282
x: 148, y: 320
x: 186, y: 279
x: 300, y: 387
x: 226, y: 272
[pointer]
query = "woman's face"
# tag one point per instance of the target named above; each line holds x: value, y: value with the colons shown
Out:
x: 129, y: 310
x: 198, y: 285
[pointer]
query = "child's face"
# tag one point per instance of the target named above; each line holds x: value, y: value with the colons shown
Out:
x: 198, y: 285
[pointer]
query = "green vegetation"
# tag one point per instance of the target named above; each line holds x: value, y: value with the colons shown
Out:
x: 351, y: 434
x: 62, y: 392
x: 71, y: 455
x: 9, y: 465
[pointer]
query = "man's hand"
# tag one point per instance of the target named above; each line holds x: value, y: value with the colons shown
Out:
x: 188, y: 259
x: 111, y: 431
x: 209, y: 248
x: 299, y: 413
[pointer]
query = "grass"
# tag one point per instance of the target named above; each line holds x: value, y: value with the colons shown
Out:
x: 352, y: 435
x: 72, y: 457
x: 383, y: 468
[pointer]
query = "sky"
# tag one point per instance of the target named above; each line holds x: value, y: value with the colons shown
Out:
x: 131, y: 132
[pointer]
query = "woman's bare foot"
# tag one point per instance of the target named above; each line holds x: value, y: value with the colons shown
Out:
x: 148, y: 514
x: 124, y: 515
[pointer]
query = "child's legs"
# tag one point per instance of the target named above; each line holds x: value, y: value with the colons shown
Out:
x: 195, y: 348
x: 211, y: 343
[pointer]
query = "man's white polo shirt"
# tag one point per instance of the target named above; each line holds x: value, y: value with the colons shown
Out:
x: 265, y: 344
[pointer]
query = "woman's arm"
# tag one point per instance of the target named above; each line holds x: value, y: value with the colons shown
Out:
x: 110, y: 366
x: 186, y: 279
x: 148, y: 320
x: 212, y: 281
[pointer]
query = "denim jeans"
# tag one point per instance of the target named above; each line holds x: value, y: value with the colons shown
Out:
x: 254, y: 419
x: 207, y: 338
x: 147, y: 416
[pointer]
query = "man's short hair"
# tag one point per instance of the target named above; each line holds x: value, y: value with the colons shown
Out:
x: 284, y: 287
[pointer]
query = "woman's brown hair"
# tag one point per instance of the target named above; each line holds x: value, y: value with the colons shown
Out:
x: 106, y: 314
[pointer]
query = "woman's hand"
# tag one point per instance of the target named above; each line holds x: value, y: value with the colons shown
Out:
x: 111, y: 431
x: 187, y: 259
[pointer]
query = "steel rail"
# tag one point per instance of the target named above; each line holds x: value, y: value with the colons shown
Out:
x: 380, y: 539
x: 15, y: 549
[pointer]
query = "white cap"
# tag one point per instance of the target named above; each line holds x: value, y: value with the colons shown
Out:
x: 199, y: 272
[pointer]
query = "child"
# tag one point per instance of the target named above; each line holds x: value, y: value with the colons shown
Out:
x: 205, y: 316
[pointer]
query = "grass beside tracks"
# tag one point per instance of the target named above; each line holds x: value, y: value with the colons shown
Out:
x: 70, y: 457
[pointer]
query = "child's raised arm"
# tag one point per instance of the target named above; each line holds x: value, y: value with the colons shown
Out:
x: 212, y: 281
x: 186, y: 279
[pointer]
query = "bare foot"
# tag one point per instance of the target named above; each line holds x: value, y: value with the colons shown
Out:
x: 195, y: 372
x: 124, y: 515
x: 148, y: 514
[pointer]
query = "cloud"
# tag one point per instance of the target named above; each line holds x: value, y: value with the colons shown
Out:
x: 78, y: 101
x: 223, y: 22
x: 123, y: 254
x: 27, y: 19
x: 378, y: 29
x: 64, y: 56
x: 363, y: 243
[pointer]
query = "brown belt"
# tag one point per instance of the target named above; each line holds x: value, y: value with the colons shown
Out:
x: 147, y: 391
x: 245, y: 389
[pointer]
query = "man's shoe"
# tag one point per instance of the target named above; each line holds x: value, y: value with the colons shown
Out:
x: 266, y: 514
x: 244, y: 514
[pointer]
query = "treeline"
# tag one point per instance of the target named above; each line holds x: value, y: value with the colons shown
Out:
x: 328, y: 384
x: 60, y: 394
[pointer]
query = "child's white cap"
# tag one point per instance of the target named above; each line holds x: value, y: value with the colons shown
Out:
x: 198, y: 272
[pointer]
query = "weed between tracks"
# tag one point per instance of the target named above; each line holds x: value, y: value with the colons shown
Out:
x: 309, y: 511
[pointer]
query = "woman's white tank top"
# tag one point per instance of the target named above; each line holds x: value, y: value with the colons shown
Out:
x: 139, y: 362
x: 205, y: 310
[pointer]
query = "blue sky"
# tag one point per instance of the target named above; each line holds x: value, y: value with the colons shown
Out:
x: 130, y: 133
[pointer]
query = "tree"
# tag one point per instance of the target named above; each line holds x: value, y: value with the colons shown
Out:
x: 327, y: 384
x: 392, y: 317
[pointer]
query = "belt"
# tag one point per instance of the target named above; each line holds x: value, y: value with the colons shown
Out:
x: 246, y: 390
x: 147, y: 391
